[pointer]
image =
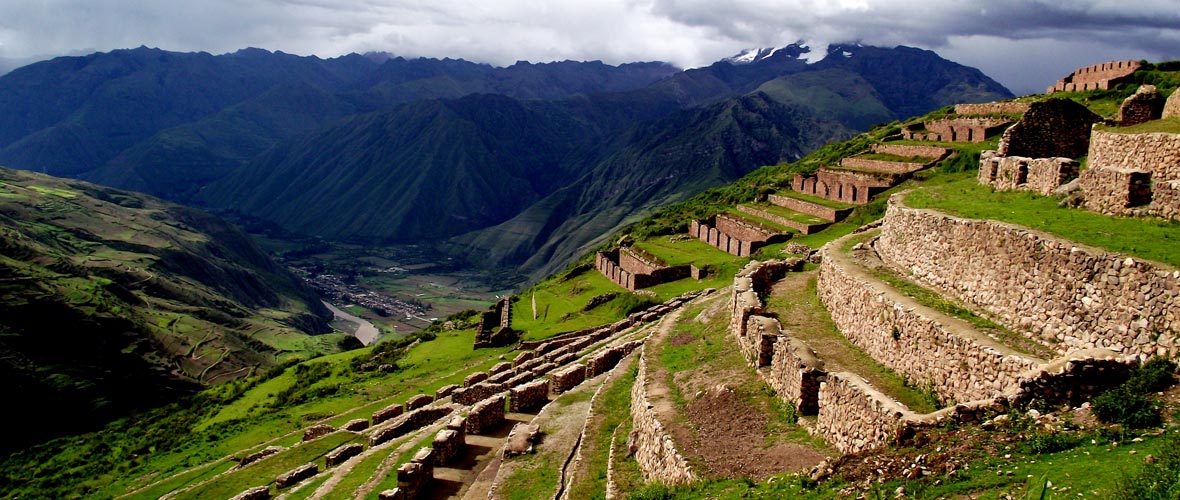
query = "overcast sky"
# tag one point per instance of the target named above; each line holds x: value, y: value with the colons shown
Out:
x: 1026, y: 45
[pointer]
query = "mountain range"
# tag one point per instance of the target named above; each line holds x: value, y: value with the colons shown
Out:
x: 521, y: 167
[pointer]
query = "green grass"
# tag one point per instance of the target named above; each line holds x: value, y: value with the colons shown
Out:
x: 560, y: 303
x: 264, y: 472
x: 961, y: 195
x: 612, y: 411
x: 1168, y: 125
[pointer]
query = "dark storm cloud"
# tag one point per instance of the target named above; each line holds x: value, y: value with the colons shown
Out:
x: 1045, y: 39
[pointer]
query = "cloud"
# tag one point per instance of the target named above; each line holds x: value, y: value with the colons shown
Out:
x: 996, y: 35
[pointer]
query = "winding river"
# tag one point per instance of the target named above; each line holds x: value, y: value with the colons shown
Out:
x: 366, y: 332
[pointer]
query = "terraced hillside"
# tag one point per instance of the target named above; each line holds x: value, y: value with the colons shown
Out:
x: 880, y: 318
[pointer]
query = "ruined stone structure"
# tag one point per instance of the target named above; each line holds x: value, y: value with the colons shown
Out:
x: 419, y: 401
x: 1011, y: 173
x: 933, y: 153
x: 956, y: 129
x: 654, y: 450
x: 317, y: 431
x: 1054, y: 128
x: 802, y: 227
x: 294, y: 476
x: 355, y: 425
x: 495, y: 326
x: 889, y: 167
x: 568, y: 378
x: 734, y: 234
x: 1133, y: 174
x: 255, y: 493
x: 259, y: 455
x: 474, y: 378
x: 843, y: 185
x: 991, y: 108
x: 1171, y: 106
x: 528, y: 397
x: 827, y: 213
x: 342, y: 453
x: 475, y: 393
x: 1145, y: 105
x: 444, y: 391
x: 447, y: 444
x: 632, y: 268
x: 414, y: 477
x: 1097, y: 77
x: 411, y: 421
x: 487, y: 414
x: 1068, y: 296
x: 854, y: 417
x: 606, y: 359
x: 388, y: 413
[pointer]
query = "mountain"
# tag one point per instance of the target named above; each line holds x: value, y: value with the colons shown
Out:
x: 168, y: 123
x: 113, y: 301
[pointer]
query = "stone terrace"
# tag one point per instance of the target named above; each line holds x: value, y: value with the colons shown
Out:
x: 736, y: 235
x: 1097, y: 77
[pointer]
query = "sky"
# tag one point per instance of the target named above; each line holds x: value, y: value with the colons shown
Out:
x: 1025, y: 45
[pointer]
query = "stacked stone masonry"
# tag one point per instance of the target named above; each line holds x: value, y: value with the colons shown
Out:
x: 1171, y: 106
x: 1097, y: 77
x: 419, y: 401
x: 388, y: 413
x: 317, y: 431
x: 734, y: 235
x: 495, y: 326
x: 444, y: 391
x: 606, y: 359
x: 957, y: 130
x: 500, y: 367
x: 826, y: 213
x: 655, y: 452
x: 414, y: 477
x: 905, y: 339
x: 1145, y: 105
x: 630, y: 269
x: 843, y: 185
x: 394, y: 494
x: 294, y: 476
x: 1133, y: 174
x: 1055, y: 291
x: 255, y: 493
x: 991, y: 108
x: 1011, y: 173
x: 447, y: 445
x: 355, y: 425
x: 474, y: 378
x: 259, y: 455
x: 529, y: 397
x: 475, y: 393
x: 487, y: 415
x: 854, y: 417
x: 802, y: 227
x: 342, y: 453
x: 411, y: 421
x: 568, y: 378
x: 884, y: 166
x: 931, y: 152
x: 1053, y: 128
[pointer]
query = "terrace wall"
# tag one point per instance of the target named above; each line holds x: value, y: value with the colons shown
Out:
x: 655, y: 451
x: 827, y: 213
x: 1040, y: 175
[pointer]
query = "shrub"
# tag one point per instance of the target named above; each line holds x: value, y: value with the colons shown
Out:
x: 1042, y: 442
x: 1159, y: 480
x: 1155, y: 375
x: 1122, y: 406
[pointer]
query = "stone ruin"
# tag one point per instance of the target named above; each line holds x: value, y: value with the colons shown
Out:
x: 409, y: 422
x: 844, y: 186
x: 1133, y: 174
x: 991, y: 108
x: 530, y: 396
x: 294, y: 476
x: 255, y: 493
x: 487, y: 414
x: 568, y: 378
x: 1097, y: 77
x: 633, y: 269
x: 1011, y: 173
x: 1171, y: 106
x: 414, y: 477
x: 735, y: 235
x: 342, y: 453
x: 419, y: 401
x: 259, y: 455
x: 495, y: 326
x: 449, y: 442
x: 1145, y: 105
x: 317, y: 431
x: 388, y: 413
x: 955, y: 129
x: 355, y: 425
x: 1037, y: 153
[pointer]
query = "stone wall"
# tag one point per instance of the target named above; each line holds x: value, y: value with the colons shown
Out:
x: 474, y: 378
x: 530, y: 396
x: 931, y: 152
x: 734, y: 243
x: 1097, y: 77
x: 1116, y: 191
x: 447, y: 445
x: 796, y: 374
x: 1050, y: 129
x: 294, y: 476
x: 655, y: 452
x: 475, y: 393
x: 854, y: 417
x: 487, y: 415
x: 991, y: 108
x: 255, y: 493
x: 1158, y: 153
x: 317, y: 431
x: 568, y: 378
x: 1065, y: 295
x: 956, y: 130
x: 636, y: 261
x: 419, y: 401
x: 802, y: 227
x: 495, y: 325
x: 1171, y: 106
x: 905, y: 339
x: 1145, y: 105
x: 744, y: 229
x: 411, y: 421
x: 889, y: 167
x: 414, y: 477
x: 827, y: 213
x: 388, y: 413
x: 620, y: 265
x: 444, y: 391
x: 843, y: 185
x: 342, y: 453
x: 1040, y: 175
x: 259, y: 455
x: 606, y: 359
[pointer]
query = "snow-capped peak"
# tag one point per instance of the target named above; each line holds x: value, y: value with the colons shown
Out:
x: 757, y: 54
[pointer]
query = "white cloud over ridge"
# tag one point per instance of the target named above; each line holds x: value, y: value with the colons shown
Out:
x: 1024, y: 44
